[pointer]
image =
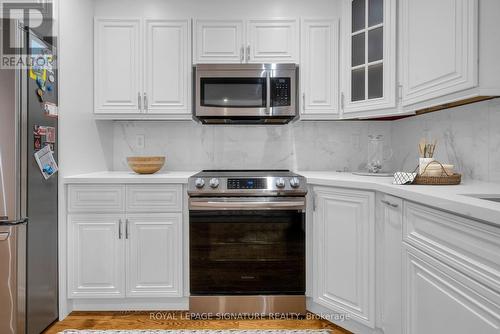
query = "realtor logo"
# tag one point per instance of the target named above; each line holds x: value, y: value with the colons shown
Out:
x: 15, y: 52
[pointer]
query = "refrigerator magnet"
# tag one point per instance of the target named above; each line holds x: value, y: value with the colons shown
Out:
x: 40, y: 83
x: 50, y: 109
x: 37, y: 142
x: 39, y: 130
x: 46, y: 162
x: 40, y: 92
x: 51, y: 77
x: 50, y: 136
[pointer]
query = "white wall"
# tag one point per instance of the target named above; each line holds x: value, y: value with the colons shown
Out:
x: 85, y: 145
x: 468, y: 137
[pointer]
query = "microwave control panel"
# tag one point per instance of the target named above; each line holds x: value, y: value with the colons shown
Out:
x: 280, y: 92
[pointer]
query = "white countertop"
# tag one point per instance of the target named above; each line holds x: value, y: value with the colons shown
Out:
x: 448, y: 198
x: 130, y: 177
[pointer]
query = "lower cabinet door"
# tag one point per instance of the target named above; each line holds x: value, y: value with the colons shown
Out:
x: 344, y: 252
x: 439, y: 299
x: 96, y: 267
x: 154, y: 255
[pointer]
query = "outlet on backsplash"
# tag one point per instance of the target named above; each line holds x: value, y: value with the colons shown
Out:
x: 140, y: 142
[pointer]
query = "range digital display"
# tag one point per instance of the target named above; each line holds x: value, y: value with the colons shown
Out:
x: 255, y: 183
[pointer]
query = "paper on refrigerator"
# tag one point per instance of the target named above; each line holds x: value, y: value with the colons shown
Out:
x: 46, y: 162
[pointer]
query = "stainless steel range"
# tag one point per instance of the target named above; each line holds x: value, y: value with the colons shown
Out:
x: 247, y: 242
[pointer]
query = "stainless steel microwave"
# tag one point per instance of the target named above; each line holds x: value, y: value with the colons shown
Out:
x: 245, y: 93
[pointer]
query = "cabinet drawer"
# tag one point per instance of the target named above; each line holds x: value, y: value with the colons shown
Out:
x: 469, y: 246
x: 154, y: 198
x: 465, y: 306
x: 96, y: 198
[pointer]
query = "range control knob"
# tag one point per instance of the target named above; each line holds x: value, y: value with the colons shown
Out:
x: 199, y: 183
x: 295, y: 182
x: 214, y: 183
x: 280, y: 183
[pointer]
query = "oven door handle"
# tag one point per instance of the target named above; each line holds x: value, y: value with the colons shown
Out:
x: 228, y: 204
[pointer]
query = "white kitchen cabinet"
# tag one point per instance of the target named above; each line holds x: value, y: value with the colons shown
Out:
x: 344, y: 252
x: 117, y: 59
x: 368, y: 58
x: 134, y: 252
x: 95, y: 259
x: 389, y: 264
x: 246, y: 41
x: 451, y: 264
x: 167, y: 66
x: 154, y: 198
x: 448, y: 52
x: 319, y: 70
x: 439, y: 299
x: 465, y: 244
x: 142, y: 68
x: 438, y: 48
x: 273, y: 41
x: 219, y: 41
x: 97, y: 198
x: 154, y: 255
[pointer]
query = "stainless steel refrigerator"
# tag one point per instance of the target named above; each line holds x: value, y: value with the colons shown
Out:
x: 28, y: 201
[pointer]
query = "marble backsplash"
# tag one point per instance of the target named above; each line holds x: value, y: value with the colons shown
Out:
x: 468, y: 137
x: 299, y: 146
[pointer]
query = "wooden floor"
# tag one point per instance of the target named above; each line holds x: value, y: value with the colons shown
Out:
x: 179, y: 320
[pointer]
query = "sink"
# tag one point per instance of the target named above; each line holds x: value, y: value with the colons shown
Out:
x: 488, y: 197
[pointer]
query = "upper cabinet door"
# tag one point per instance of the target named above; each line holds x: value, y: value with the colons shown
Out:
x: 369, y: 56
x: 272, y: 41
x: 319, y: 69
x: 438, y: 48
x: 219, y: 41
x: 117, y: 77
x: 167, y: 66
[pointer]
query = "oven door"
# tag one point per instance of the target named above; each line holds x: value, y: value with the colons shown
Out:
x: 232, y: 93
x: 247, y: 251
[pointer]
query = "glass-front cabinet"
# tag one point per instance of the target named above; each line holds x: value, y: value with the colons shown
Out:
x: 368, y: 58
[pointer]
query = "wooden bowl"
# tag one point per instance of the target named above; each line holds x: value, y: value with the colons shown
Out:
x: 146, y: 165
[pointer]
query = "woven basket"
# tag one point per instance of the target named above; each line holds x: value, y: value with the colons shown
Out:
x: 444, y: 180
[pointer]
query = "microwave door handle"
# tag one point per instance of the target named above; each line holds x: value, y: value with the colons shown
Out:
x: 268, y: 92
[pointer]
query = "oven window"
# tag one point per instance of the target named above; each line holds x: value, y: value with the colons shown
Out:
x: 233, y: 92
x: 235, y: 253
